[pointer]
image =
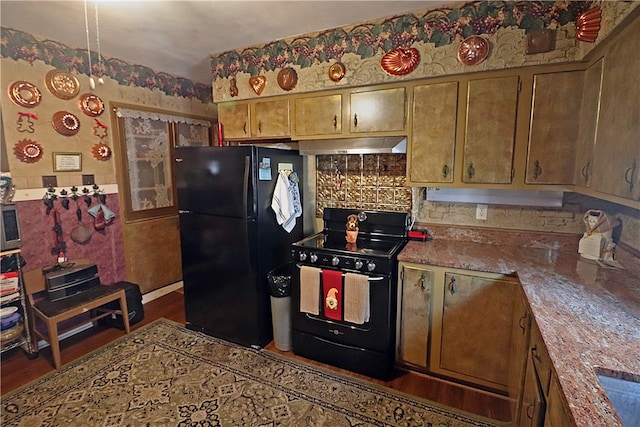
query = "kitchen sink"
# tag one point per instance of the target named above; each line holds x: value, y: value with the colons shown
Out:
x: 623, y: 390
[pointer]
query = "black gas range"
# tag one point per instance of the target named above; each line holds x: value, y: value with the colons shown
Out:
x: 365, y: 244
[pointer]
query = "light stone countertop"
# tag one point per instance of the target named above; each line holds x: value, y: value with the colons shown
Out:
x: 589, y: 316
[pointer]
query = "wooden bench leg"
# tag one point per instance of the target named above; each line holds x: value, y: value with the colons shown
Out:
x: 125, y: 312
x: 52, y: 329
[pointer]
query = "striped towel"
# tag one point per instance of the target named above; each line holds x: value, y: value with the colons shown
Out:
x: 357, y: 308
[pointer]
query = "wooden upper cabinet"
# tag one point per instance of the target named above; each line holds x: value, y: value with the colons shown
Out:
x: 378, y: 111
x: 318, y: 115
x: 554, y: 127
x: 271, y: 119
x: 235, y: 119
x: 616, y: 155
x: 588, y: 124
x: 257, y: 119
x: 490, y: 130
x: 433, y: 140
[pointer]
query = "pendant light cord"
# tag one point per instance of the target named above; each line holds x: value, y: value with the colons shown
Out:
x: 98, y: 39
x: 86, y: 24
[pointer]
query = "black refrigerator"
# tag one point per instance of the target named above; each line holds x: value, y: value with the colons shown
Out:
x: 230, y: 238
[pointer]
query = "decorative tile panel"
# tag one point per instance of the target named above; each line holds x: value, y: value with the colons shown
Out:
x: 364, y: 181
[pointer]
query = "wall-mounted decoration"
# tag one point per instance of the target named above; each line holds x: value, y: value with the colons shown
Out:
x: 233, y: 89
x: 24, y: 94
x: 588, y: 25
x: 28, y: 151
x: 101, y: 152
x: 91, y: 105
x: 473, y: 50
x: 24, y: 122
x: 62, y: 85
x: 287, y: 78
x: 337, y: 71
x: 258, y: 83
x: 540, y: 41
x: 65, y: 123
x: 100, y: 129
x: 400, y: 61
x: 67, y: 162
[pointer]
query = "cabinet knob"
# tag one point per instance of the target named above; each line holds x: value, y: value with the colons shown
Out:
x: 537, y: 171
x: 452, y: 286
x: 471, y: 170
x: 445, y: 171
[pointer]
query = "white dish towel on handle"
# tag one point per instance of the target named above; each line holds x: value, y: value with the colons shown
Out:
x: 282, y: 203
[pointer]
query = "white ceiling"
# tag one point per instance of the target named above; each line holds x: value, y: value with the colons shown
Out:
x: 178, y: 37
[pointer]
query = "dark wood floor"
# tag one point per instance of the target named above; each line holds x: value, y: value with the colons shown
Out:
x: 17, y: 369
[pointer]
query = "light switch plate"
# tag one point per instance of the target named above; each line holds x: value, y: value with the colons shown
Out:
x: 481, y: 212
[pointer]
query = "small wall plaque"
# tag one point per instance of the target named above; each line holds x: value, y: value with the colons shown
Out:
x: 67, y: 162
x: 540, y: 41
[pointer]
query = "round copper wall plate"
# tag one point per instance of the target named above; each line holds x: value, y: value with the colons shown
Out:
x: 337, y: 71
x: 62, y: 85
x: 65, y: 123
x: 473, y: 50
x: 24, y: 94
x: 91, y: 105
x: 287, y: 78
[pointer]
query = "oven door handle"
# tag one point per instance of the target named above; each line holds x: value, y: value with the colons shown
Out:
x: 370, y: 278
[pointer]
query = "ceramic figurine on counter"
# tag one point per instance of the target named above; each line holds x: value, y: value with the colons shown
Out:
x: 597, y: 241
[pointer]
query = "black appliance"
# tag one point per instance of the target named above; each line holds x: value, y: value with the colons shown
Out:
x: 366, y: 348
x: 67, y: 282
x: 230, y: 238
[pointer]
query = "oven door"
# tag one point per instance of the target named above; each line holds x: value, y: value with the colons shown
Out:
x: 377, y: 334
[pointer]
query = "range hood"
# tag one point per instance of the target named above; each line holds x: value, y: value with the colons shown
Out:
x: 370, y: 145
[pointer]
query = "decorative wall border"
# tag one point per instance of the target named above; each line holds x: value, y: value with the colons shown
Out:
x: 27, y: 47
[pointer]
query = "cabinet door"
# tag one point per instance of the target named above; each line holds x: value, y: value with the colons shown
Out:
x: 476, y: 325
x: 557, y: 414
x: 234, y: 117
x: 318, y: 115
x: 533, y: 407
x: 272, y: 119
x: 433, y: 137
x: 616, y: 153
x: 415, y: 289
x: 589, y: 113
x: 557, y: 99
x: 490, y: 130
x: 518, y: 353
x: 378, y: 111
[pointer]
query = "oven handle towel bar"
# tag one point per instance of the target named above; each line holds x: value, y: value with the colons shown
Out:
x: 371, y: 278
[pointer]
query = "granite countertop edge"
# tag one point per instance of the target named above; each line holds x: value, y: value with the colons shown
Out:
x: 588, y: 316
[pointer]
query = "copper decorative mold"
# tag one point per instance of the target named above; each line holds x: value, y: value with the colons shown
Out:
x: 287, y: 78
x: 62, y: 85
x: 91, y: 105
x: 400, y: 61
x: 540, y: 41
x: 588, y: 25
x: 65, y: 123
x: 258, y: 83
x: 100, y: 129
x: 28, y: 151
x: 473, y: 50
x: 101, y: 152
x: 24, y: 94
x: 337, y: 71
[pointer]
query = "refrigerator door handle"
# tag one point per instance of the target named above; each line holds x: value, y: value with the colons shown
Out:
x: 245, y: 185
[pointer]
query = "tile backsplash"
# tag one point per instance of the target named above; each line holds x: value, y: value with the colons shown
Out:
x: 362, y: 181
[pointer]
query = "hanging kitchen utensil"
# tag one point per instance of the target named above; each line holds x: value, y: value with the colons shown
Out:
x: 287, y: 78
x: 588, y: 25
x: 400, y: 61
x: 473, y: 50
x: 81, y: 233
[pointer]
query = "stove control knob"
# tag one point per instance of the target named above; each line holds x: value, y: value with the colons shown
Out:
x: 313, y: 258
x: 371, y: 266
x: 335, y: 261
x: 358, y: 264
x: 302, y: 256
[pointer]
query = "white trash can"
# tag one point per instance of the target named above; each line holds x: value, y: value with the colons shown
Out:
x: 280, y: 290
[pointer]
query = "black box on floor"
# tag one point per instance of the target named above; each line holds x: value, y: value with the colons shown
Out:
x: 134, y: 307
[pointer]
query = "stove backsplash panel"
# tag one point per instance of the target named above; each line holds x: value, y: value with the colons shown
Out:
x: 362, y: 181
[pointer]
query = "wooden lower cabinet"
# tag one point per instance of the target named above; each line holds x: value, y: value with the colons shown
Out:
x: 457, y: 323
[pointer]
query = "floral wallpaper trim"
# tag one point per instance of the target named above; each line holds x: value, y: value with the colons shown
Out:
x: 438, y: 26
x: 20, y: 45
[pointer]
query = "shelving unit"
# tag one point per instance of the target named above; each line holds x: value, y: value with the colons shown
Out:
x: 19, y: 299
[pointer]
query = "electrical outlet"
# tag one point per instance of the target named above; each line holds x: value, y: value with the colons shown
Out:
x: 481, y: 212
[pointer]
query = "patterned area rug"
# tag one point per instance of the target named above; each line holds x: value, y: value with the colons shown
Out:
x: 166, y: 375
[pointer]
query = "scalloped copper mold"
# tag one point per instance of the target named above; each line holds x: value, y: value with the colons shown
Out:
x: 28, y: 151
x: 287, y: 78
x: 400, y: 61
x: 473, y: 50
x: 588, y: 25
x: 65, y: 123
x: 101, y: 152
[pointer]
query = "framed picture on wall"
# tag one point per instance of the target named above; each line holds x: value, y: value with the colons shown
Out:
x: 67, y: 162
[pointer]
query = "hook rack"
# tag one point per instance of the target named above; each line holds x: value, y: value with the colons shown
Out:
x: 73, y: 194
